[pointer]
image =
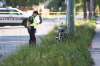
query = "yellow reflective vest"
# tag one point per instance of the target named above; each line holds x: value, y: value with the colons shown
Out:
x: 36, y: 21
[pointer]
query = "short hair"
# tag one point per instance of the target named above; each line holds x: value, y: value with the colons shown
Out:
x: 36, y: 12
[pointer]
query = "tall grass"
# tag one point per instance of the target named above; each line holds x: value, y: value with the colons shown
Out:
x: 71, y: 52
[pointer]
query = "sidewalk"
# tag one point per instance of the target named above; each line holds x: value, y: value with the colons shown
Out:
x: 95, y: 50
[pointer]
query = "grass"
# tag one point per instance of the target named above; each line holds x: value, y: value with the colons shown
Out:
x: 72, y: 52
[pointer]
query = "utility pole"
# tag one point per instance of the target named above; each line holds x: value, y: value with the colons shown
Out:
x: 70, y: 16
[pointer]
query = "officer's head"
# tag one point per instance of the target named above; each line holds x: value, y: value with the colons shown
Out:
x: 35, y: 13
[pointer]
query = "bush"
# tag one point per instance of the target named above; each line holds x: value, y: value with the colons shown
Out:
x: 72, y: 52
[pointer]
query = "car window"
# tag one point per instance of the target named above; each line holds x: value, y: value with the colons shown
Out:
x: 15, y: 12
x: 4, y: 11
x: 10, y: 11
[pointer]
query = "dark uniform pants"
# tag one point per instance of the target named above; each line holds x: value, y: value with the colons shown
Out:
x: 32, y: 32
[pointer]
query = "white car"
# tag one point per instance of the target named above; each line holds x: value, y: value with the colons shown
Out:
x: 11, y: 16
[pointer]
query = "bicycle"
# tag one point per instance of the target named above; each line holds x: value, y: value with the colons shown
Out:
x: 60, y: 34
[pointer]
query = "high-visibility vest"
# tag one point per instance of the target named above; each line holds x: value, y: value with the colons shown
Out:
x: 35, y: 22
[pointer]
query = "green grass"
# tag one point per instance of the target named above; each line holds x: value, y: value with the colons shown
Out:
x: 72, y: 52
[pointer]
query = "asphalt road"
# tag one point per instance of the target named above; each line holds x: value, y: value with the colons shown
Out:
x: 12, y: 37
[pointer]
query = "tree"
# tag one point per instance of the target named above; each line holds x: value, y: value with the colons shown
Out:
x: 57, y: 5
x: 89, y: 9
x: 15, y: 2
x: 23, y: 2
x: 84, y: 9
x: 35, y: 2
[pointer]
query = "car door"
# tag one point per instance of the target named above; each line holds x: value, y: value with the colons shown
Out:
x: 4, y: 16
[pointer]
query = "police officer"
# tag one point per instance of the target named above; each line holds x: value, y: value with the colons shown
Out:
x: 33, y: 23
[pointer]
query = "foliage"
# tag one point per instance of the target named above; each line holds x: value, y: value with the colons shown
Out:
x: 57, y: 5
x: 15, y: 2
x: 23, y: 2
x: 78, y: 4
x: 98, y: 3
x: 34, y: 2
x: 72, y: 52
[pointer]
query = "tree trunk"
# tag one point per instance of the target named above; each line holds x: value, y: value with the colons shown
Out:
x: 91, y: 8
x: 85, y: 10
x: 94, y: 7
